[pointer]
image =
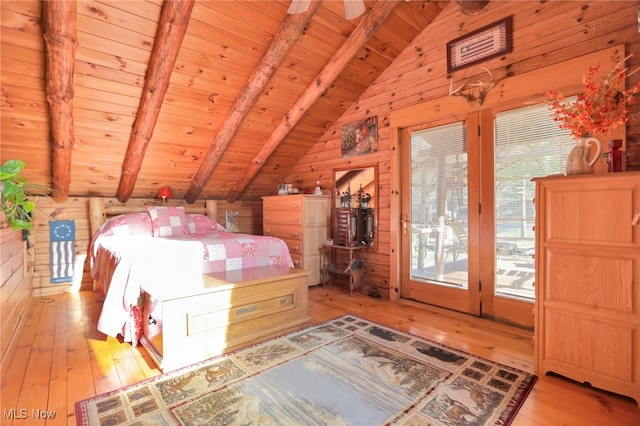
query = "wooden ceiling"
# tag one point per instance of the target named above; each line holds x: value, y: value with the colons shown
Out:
x: 222, y: 108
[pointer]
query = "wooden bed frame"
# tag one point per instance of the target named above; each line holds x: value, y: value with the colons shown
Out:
x: 227, y: 311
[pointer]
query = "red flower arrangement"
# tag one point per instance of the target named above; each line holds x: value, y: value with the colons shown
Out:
x: 601, y: 107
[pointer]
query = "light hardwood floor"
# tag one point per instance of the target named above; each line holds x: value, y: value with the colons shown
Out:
x: 60, y: 358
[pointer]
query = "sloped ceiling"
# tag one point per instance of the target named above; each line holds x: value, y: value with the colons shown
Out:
x: 225, y: 53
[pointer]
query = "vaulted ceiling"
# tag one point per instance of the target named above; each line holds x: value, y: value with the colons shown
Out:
x: 219, y: 99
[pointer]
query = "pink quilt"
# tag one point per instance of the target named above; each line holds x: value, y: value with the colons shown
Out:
x: 127, y: 260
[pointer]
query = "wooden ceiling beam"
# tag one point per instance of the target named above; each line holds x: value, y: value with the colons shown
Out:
x: 284, y: 39
x: 59, y: 31
x: 367, y: 27
x: 174, y: 20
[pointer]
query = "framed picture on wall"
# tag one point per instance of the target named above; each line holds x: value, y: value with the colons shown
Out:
x: 487, y: 42
x: 360, y: 137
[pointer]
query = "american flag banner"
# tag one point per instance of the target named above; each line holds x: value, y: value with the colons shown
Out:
x: 61, y: 250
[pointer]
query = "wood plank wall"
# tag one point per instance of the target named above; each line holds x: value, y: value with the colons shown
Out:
x: 544, y: 33
x: 77, y: 208
x: 15, y: 287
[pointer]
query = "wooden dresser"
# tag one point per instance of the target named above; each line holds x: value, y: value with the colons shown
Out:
x: 587, y: 325
x: 302, y: 222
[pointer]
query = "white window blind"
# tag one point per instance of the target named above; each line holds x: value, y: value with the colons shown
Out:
x: 439, y: 205
x: 528, y: 144
x: 438, y: 171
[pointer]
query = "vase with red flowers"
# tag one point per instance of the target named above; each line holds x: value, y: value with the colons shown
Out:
x: 601, y: 107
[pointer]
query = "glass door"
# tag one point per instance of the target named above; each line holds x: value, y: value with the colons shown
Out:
x: 436, y: 264
x: 524, y: 143
x: 467, y: 209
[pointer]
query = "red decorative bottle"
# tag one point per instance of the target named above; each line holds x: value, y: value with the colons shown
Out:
x: 614, y: 157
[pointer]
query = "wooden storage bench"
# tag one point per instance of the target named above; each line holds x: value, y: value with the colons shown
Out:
x: 230, y: 310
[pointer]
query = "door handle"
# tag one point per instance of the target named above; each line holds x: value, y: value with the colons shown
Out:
x: 404, y: 223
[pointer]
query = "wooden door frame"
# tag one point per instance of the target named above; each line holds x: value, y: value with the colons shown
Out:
x: 523, y: 88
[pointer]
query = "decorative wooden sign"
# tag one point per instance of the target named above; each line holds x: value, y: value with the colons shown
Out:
x: 487, y: 42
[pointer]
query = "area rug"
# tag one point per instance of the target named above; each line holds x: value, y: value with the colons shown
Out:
x: 346, y: 371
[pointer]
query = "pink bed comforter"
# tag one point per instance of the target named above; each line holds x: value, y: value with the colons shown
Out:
x: 126, y: 264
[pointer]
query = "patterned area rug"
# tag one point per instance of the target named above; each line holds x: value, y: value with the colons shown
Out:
x: 347, y: 371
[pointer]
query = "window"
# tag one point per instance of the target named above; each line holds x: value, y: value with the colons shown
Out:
x: 527, y: 145
x: 439, y: 204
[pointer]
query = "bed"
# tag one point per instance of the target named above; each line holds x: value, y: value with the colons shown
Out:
x: 172, y: 279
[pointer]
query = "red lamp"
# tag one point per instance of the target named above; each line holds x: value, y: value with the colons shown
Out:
x: 164, y: 193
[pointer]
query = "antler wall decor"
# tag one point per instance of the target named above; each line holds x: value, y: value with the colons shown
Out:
x: 474, y: 92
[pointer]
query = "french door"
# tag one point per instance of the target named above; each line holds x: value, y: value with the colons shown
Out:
x: 439, y: 184
x: 467, y: 212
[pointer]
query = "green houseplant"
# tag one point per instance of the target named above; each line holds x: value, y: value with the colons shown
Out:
x: 16, y: 207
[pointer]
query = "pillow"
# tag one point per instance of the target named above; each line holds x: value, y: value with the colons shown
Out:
x: 202, y: 224
x: 168, y: 221
x: 127, y: 224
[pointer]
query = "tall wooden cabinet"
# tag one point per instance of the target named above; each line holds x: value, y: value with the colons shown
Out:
x: 588, y: 280
x: 301, y: 221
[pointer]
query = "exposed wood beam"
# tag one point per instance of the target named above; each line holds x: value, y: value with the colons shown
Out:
x: 174, y: 20
x: 60, y: 39
x: 284, y: 39
x: 367, y: 27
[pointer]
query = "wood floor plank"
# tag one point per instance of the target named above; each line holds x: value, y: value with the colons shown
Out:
x: 58, y: 385
x: 14, y: 368
x: 60, y: 341
x: 34, y: 395
x: 563, y: 399
x: 79, y: 374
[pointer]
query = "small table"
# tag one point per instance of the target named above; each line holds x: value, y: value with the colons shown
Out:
x: 352, y: 269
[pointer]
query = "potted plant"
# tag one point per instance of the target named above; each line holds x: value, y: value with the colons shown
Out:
x: 600, y: 108
x: 16, y: 207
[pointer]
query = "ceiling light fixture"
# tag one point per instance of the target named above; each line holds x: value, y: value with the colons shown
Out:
x: 352, y: 8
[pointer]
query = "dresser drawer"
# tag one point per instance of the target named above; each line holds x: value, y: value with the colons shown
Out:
x: 297, y: 260
x: 282, y: 217
x: 294, y: 245
x: 285, y: 203
x: 286, y: 232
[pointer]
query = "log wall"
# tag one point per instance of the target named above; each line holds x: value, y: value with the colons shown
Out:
x: 544, y: 33
x: 16, y: 268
